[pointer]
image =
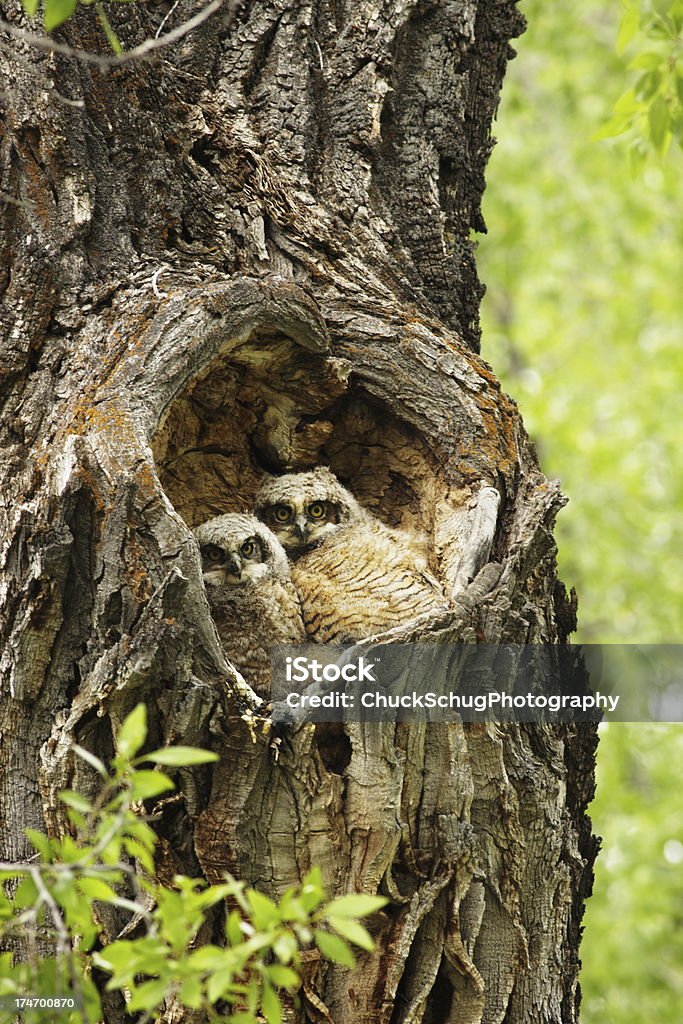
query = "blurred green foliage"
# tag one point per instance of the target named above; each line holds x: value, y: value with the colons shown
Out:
x: 582, y: 321
x: 650, y: 111
x: 53, y: 903
x: 582, y: 318
x: 632, y: 949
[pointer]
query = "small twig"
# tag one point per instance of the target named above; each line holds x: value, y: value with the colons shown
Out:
x: 19, y: 58
x: 26, y: 867
x: 63, y: 940
x: 138, y: 52
x: 99, y: 847
x: 5, y: 197
x: 165, y: 19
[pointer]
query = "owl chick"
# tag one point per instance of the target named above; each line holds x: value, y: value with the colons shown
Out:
x: 250, y: 593
x: 355, y: 576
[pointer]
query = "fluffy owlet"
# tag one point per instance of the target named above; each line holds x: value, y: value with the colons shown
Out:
x: 355, y: 576
x: 250, y: 593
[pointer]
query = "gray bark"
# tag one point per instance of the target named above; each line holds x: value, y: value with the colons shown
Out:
x: 252, y: 252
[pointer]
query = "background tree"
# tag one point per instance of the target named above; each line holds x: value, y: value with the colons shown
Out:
x: 253, y: 253
x: 582, y: 320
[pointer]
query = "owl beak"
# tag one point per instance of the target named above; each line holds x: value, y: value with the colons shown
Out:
x: 233, y: 567
x: 301, y: 528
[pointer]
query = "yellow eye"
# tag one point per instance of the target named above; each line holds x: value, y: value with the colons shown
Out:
x: 248, y: 549
x: 213, y: 554
x: 316, y: 510
x: 281, y: 513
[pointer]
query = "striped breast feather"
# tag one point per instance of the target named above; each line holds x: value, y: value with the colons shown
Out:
x: 360, y: 583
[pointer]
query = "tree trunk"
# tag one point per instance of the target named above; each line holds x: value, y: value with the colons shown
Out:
x: 251, y: 252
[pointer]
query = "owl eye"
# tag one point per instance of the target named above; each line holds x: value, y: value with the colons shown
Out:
x: 213, y: 554
x: 249, y: 548
x: 316, y: 510
x: 281, y: 513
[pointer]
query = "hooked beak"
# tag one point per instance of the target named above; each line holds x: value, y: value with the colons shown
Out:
x: 233, y: 568
x: 301, y: 528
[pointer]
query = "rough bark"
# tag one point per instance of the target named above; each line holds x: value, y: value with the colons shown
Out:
x: 252, y: 252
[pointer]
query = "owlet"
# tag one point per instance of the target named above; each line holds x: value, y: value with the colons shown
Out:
x: 250, y: 593
x: 355, y: 576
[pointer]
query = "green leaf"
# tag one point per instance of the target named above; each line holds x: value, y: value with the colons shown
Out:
x: 355, y: 905
x: 659, y: 120
x: 78, y: 820
x: 68, y: 850
x: 133, y: 732
x: 126, y: 955
x: 211, y: 895
x: 75, y: 800
x: 263, y: 911
x: 282, y: 977
x: 271, y: 1004
x: 353, y: 931
x: 285, y: 947
x: 334, y: 948
x: 93, y: 761
x: 218, y: 986
x: 627, y: 103
x: 292, y: 908
x: 617, y: 125
x: 146, y: 784
x: 679, y: 87
x: 140, y: 852
x: 6, y: 909
x: 252, y: 994
x: 96, y: 889
x: 649, y: 60
x: 111, y: 854
x: 40, y: 842
x: 141, y: 831
x: 191, y: 993
x: 648, y: 85
x: 312, y: 889
x: 628, y: 28
x: 233, y: 928
x: 56, y: 12
x: 207, y: 958
x: 149, y: 995
x: 91, y: 997
x: 30, y: 6
x: 26, y: 894
x: 177, y: 757
x: 6, y: 967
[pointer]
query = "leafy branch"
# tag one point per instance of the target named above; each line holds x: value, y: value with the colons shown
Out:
x: 650, y: 112
x: 54, y: 902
